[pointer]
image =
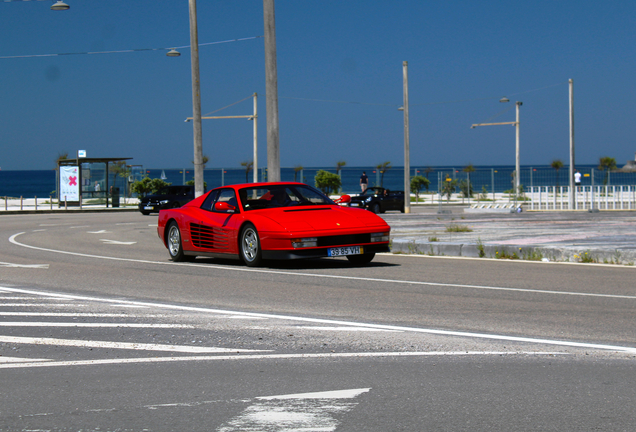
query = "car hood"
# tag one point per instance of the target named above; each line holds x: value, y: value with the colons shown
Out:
x: 324, y: 218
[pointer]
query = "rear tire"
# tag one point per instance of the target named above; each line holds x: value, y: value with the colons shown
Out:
x: 173, y: 241
x: 361, y: 259
x: 250, y: 246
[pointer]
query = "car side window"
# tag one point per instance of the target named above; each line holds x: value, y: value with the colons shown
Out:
x: 210, y: 200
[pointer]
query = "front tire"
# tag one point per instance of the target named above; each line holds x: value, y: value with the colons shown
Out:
x: 375, y: 208
x: 250, y: 246
x: 361, y: 259
x: 173, y: 241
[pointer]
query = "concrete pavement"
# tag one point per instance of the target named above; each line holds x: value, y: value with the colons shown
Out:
x: 569, y: 236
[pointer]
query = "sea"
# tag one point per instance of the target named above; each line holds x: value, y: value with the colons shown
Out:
x: 42, y: 183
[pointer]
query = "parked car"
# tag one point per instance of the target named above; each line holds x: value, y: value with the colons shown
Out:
x: 166, y: 198
x: 260, y: 221
x: 379, y: 200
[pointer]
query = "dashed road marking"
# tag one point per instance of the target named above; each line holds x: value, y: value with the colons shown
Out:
x: 122, y: 345
x: 6, y: 264
x: 104, y: 325
x: 116, y: 242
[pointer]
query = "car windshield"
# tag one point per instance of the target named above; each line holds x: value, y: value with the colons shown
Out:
x: 371, y: 191
x: 255, y: 198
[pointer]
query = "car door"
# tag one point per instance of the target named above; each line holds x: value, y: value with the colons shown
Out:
x: 216, y: 228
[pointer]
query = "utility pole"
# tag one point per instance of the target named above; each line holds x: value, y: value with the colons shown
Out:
x: 407, y: 163
x: 196, y: 102
x: 271, y: 93
x: 255, y: 118
x: 572, y: 166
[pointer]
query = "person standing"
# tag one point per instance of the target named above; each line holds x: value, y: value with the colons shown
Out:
x: 364, y: 181
x: 577, y: 178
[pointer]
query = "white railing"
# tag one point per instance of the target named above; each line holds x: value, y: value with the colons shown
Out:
x: 616, y: 197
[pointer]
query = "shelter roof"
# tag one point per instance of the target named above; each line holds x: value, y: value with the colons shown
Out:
x: 63, y: 162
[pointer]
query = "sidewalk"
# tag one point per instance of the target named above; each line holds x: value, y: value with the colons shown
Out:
x: 576, y: 236
x: 30, y: 205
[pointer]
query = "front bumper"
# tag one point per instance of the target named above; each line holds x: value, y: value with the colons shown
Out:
x: 318, y: 252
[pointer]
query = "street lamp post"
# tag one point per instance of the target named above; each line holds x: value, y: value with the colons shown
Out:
x: 516, y: 124
x: 254, y: 117
x: 407, y: 167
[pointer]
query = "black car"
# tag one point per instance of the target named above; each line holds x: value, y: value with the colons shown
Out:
x: 379, y: 200
x: 166, y: 198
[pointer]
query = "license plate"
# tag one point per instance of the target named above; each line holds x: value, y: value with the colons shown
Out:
x: 355, y: 205
x: 343, y: 251
x: 149, y: 208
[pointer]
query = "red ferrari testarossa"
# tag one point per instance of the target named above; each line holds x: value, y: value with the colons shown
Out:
x: 260, y: 221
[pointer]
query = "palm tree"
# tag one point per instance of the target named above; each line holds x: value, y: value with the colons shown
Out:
x: 339, y: 166
x: 468, y: 169
x: 297, y: 169
x: 608, y: 164
x: 383, y: 167
x: 204, y: 159
x: 248, y: 167
x: 557, y: 164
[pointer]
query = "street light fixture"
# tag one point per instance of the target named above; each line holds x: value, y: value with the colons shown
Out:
x: 60, y: 5
x: 516, y: 124
x: 173, y: 53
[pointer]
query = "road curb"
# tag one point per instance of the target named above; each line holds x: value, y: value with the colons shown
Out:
x: 522, y: 252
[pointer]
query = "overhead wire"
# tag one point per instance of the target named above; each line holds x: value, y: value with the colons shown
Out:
x: 128, y: 50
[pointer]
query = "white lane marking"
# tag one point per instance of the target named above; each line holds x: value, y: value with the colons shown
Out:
x: 116, y: 242
x: 39, y: 230
x: 121, y: 345
x: 348, y: 323
x: 130, y: 306
x: 105, y: 325
x: 74, y: 315
x: 13, y: 240
x: 40, y: 304
x: 300, y: 412
x: 98, y: 232
x: 334, y: 394
x: 245, y: 317
x: 348, y: 328
x: 4, y: 359
x: 79, y: 226
x: 6, y: 264
x: 112, y: 361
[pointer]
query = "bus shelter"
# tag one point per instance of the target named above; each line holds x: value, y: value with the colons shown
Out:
x: 88, y: 178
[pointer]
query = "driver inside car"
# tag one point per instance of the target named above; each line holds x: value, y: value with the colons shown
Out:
x: 280, y: 197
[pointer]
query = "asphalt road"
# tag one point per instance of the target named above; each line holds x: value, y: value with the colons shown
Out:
x: 99, y: 331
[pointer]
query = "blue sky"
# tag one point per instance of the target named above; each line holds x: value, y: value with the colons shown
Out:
x: 340, y: 81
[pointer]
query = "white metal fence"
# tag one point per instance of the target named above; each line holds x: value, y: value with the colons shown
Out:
x: 614, y: 197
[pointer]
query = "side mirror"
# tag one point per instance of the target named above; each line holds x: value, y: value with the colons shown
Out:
x: 223, y: 206
x: 345, y: 199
